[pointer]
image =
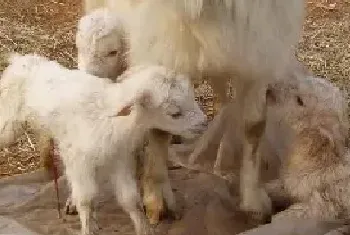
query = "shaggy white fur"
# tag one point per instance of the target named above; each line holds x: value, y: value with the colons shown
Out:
x: 251, y: 41
x: 312, y: 114
x: 115, y: 5
x: 81, y: 112
x: 219, y: 39
x: 101, y: 43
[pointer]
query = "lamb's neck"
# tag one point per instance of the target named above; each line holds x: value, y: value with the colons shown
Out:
x: 130, y: 129
x: 120, y: 95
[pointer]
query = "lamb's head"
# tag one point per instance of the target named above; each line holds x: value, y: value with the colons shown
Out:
x: 100, y: 41
x: 168, y: 102
x: 314, y: 111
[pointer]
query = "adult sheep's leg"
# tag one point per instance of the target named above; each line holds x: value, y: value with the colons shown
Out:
x: 156, y: 183
x: 215, y: 129
x: 253, y: 102
x: 244, y: 123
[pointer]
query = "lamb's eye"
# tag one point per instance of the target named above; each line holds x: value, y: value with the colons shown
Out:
x: 300, y: 101
x: 112, y: 53
x: 176, y: 115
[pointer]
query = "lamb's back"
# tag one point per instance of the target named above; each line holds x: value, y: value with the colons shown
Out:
x: 54, y: 89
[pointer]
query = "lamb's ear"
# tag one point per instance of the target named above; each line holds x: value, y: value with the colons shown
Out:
x: 12, y: 56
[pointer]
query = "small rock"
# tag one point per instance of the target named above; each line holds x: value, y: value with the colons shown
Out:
x: 332, y: 6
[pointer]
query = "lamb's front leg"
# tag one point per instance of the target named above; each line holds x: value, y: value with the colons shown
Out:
x: 129, y: 198
x: 156, y: 183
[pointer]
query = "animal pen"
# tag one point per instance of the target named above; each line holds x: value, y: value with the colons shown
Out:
x: 28, y: 200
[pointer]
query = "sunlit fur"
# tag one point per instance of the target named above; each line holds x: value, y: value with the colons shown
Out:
x: 251, y: 40
x: 81, y: 112
x: 309, y: 123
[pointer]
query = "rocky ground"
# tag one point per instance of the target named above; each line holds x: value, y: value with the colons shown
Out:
x: 47, y: 27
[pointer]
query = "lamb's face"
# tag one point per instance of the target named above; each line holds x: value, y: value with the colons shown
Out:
x: 100, y: 43
x: 311, y: 105
x: 175, y: 109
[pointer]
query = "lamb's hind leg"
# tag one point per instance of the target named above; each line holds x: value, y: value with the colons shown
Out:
x: 84, y: 189
x: 156, y: 183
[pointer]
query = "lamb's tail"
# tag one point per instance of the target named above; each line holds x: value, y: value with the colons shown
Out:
x: 11, y: 105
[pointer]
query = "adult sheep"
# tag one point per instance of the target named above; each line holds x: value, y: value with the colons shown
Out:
x: 251, y: 40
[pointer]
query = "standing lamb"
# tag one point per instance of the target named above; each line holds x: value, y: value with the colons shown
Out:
x: 100, y: 55
x: 84, y: 120
x: 101, y: 45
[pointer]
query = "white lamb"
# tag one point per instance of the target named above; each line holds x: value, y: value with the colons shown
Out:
x: 102, y: 45
x: 81, y: 111
x: 100, y: 41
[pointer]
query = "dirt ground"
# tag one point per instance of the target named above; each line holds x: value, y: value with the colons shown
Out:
x: 48, y: 27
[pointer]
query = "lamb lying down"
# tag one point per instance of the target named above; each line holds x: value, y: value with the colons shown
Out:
x: 81, y: 111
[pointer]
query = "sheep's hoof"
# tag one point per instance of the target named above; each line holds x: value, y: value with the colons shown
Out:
x: 71, y: 209
x: 146, y: 231
x: 258, y: 209
x: 258, y: 217
x: 173, y: 215
x: 153, y: 215
x: 154, y: 211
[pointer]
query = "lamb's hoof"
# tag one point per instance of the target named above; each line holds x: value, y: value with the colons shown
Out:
x: 71, y: 209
